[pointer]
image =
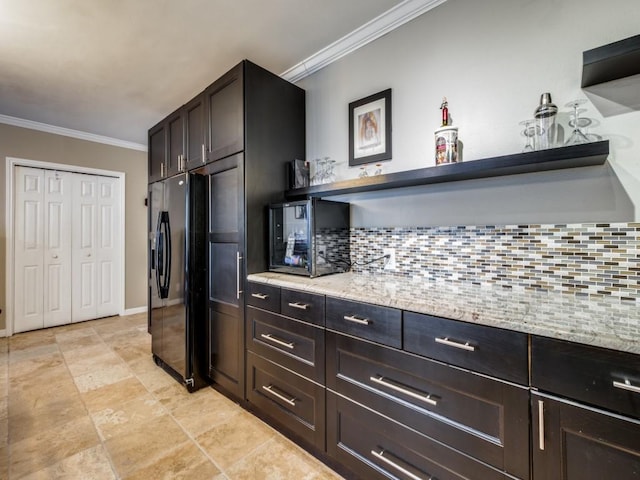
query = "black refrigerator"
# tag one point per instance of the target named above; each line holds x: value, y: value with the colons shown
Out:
x: 177, y: 277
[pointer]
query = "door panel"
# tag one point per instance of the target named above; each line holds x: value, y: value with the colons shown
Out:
x: 57, y: 255
x: 84, y: 249
x: 226, y: 274
x: 29, y: 249
x: 108, y: 253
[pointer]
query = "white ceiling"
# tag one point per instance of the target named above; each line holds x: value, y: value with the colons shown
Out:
x: 116, y: 67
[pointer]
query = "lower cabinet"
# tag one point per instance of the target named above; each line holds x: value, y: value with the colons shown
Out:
x: 375, y: 447
x: 572, y: 442
x: 484, y: 418
x: 294, y: 402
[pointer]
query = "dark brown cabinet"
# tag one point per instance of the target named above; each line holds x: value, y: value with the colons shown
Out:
x: 286, y: 360
x: 572, y: 442
x: 484, y: 418
x: 194, y: 133
x: 585, y: 411
x: 175, y: 144
x: 256, y: 124
x: 225, y: 114
x: 157, y: 152
x: 225, y: 258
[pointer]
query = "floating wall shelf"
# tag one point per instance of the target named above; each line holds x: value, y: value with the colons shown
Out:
x: 554, y: 159
x: 611, y: 76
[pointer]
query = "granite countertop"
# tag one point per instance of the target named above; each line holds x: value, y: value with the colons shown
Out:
x: 603, y: 323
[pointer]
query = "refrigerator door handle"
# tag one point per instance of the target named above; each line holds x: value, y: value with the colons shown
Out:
x: 164, y: 254
x: 159, y: 253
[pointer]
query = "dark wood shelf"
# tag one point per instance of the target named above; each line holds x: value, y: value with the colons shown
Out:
x: 611, y: 62
x: 611, y: 76
x: 554, y: 159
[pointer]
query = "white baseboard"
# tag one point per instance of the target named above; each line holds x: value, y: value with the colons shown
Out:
x: 3, y: 333
x: 133, y: 311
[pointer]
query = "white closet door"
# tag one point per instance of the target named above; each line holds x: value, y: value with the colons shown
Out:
x: 29, y: 249
x: 57, y: 251
x: 84, y: 259
x: 107, y: 248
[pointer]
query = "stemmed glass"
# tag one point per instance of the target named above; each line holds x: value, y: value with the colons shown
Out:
x: 577, y: 136
x: 530, y: 131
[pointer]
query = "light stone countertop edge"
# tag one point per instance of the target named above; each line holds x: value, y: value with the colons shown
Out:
x: 606, y: 323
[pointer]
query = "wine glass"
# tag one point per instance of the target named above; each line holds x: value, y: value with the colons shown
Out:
x: 577, y: 136
x: 530, y: 131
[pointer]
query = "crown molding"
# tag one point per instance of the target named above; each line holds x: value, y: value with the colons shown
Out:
x: 68, y: 132
x: 370, y: 31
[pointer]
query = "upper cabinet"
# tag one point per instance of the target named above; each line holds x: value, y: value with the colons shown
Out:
x: 157, y: 152
x: 225, y: 115
x: 611, y: 76
x: 209, y: 127
x: 195, y: 145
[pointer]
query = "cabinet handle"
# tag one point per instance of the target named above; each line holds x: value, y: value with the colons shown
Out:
x: 261, y: 296
x: 540, y: 424
x: 162, y: 170
x: 238, y: 291
x: 204, y: 154
x: 626, y: 385
x: 269, y: 388
x: 301, y: 306
x: 451, y: 343
x: 354, y: 319
x: 398, y: 387
x: 273, y: 339
x: 179, y: 163
x: 380, y: 455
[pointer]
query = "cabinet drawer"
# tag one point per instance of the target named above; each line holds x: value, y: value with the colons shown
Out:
x: 298, y: 405
x: 484, y: 418
x: 293, y: 344
x: 303, y: 306
x: 607, y: 378
x: 263, y: 296
x: 496, y: 352
x: 378, y: 324
x: 375, y: 448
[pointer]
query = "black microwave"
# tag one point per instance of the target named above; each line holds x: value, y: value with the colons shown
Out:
x: 309, y: 237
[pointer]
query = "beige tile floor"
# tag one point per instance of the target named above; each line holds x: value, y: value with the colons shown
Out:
x: 86, y: 401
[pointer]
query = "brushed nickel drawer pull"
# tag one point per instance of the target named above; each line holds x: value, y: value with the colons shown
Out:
x: 269, y: 388
x: 276, y: 340
x: 393, y: 385
x: 261, y: 296
x: 413, y: 476
x: 626, y: 385
x: 354, y: 319
x: 204, y: 155
x: 540, y: 424
x: 301, y: 306
x: 451, y: 343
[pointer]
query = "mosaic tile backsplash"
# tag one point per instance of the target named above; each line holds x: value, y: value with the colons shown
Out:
x: 588, y: 259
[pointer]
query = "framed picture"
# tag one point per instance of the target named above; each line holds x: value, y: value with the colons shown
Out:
x: 370, y: 129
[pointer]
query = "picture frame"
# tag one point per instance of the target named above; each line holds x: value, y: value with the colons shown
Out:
x: 370, y: 129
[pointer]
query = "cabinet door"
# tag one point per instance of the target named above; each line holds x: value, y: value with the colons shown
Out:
x: 225, y: 259
x: 157, y: 152
x: 575, y: 443
x: 194, y: 142
x: 175, y: 147
x: 225, y: 115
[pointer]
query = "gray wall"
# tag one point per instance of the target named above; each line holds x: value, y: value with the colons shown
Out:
x: 492, y: 59
x: 28, y: 144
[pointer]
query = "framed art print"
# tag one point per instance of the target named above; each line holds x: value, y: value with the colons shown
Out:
x: 370, y: 129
